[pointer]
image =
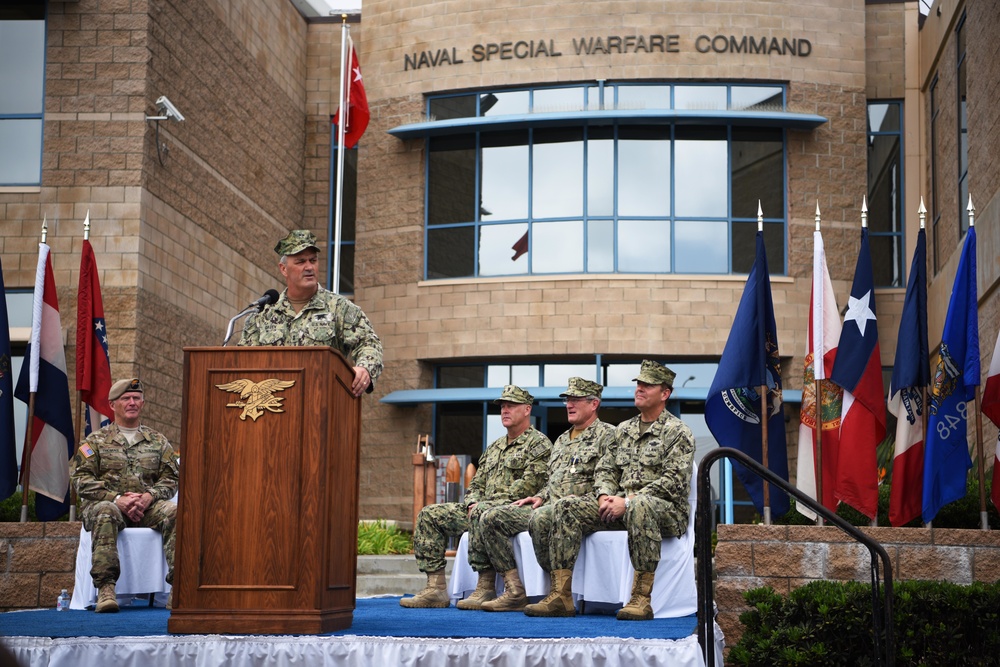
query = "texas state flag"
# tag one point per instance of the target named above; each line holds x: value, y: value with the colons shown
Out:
x: 858, y: 369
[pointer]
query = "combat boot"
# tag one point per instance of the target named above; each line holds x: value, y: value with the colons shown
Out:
x: 107, y: 601
x: 434, y: 595
x: 559, y: 601
x: 640, y: 606
x: 486, y: 590
x: 513, y: 598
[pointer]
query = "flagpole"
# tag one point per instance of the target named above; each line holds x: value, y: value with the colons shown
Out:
x: 864, y: 225
x: 341, y: 130
x: 81, y: 406
x: 28, y: 433
x: 818, y: 401
x: 763, y: 391
x: 983, y: 516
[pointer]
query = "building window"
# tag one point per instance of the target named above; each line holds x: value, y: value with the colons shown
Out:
x: 22, y: 80
x: 348, y: 216
x: 613, y: 198
x: 885, y: 192
x: 935, y: 199
x: 963, y: 132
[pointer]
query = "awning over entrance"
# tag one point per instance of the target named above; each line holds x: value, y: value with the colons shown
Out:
x: 409, y: 397
x: 439, y: 128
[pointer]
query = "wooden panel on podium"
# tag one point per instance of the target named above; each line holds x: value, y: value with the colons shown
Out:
x: 267, y: 519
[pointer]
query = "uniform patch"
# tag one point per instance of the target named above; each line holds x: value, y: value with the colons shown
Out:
x: 86, y: 450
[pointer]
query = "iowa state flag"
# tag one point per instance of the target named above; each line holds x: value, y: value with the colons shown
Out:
x: 44, y: 374
x: 93, y: 366
x: 947, y: 460
x: 823, y: 337
x: 858, y: 369
x: 991, y: 408
x: 8, y: 448
x: 733, y: 408
x: 911, y: 373
x: 356, y: 100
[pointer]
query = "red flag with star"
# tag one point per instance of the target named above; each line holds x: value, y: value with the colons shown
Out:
x: 358, y: 113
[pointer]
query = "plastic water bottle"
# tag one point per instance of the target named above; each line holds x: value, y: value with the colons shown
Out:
x: 62, y: 602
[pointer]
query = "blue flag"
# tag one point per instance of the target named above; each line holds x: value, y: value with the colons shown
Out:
x: 8, y: 448
x: 733, y: 408
x: 946, y: 458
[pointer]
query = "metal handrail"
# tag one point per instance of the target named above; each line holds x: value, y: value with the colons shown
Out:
x: 703, y: 548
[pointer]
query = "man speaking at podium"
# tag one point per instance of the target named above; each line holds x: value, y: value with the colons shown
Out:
x: 307, y: 314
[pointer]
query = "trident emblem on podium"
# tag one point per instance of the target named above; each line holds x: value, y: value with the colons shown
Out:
x: 256, y: 397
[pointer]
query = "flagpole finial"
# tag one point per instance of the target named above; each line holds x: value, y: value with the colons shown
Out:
x: 343, y: 18
x: 45, y: 228
x: 922, y: 212
x: 972, y: 212
x: 760, y: 217
x: 864, y: 212
x: 817, y: 215
x: 86, y: 226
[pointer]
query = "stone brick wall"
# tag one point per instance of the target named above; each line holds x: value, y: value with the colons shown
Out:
x: 37, y: 560
x: 787, y: 557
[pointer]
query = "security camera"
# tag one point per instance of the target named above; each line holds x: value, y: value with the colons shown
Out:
x: 166, y: 108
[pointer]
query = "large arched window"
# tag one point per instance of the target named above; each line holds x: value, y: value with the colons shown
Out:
x: 543, y: 181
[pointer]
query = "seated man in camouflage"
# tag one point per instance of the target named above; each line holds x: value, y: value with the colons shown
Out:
x: 125, y: 475
x: 641, y: 486
x: 571, y: 473
x: 513, y: 466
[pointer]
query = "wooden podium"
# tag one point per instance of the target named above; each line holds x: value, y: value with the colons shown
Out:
x: 267, y: 521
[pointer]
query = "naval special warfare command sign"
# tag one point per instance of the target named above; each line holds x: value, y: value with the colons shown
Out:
x: 607, y: 45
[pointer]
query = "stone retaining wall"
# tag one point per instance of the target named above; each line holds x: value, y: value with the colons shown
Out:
x: 786, y: 557
x: 37, y: 560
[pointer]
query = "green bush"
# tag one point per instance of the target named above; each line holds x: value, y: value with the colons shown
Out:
x: 830, y: 623
x: 377, y: 538
x: 10, y: 508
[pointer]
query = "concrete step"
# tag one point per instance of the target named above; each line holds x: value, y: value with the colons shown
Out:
x: 391, y: 575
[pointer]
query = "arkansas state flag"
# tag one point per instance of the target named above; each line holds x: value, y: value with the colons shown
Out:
x: 911, y: 374
x: 991, y: 408
x: 358, y: 114
x: 947, y: 460
x: 858, y: 369
x: 824, y: 411
x: 93, y: 367
x: 8, y: 448
x: 733, y: 407
x: 44, y: 374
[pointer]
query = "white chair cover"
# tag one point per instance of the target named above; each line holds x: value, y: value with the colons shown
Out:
x: 143, y: 568
x: 603, y: 573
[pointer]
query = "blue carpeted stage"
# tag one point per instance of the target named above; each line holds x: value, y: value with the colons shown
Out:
x: 383, y: 633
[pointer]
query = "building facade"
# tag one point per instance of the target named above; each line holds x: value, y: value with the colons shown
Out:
x: 544, y: 190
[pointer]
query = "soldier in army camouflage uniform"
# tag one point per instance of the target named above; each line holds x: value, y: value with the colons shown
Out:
x: 641, y: 485
x: 513, y: 466
x: 571, y: 473
x: 308, y: 314
x: 125, y: 475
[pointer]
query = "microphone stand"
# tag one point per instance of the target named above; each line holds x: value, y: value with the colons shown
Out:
x: 243, y: 313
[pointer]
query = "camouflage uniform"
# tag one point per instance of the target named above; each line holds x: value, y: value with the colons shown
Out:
x: 655, y: 466
x: 507, y: 472
x: 328, y: 320
x: 571, y: 473
x: 107, y: 466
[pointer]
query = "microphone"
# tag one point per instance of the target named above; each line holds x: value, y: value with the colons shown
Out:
x: 270, y: 296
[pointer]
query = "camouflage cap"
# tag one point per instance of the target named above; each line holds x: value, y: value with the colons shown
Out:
x: 579, y: 387
x: 295, y: 242
x: 122, y: 386
x: 654, y: 373
x: 514, y: 394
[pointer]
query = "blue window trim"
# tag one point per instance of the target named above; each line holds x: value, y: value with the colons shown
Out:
x: 40, y: 115
x: 900, y: 134
x: 331, y: 214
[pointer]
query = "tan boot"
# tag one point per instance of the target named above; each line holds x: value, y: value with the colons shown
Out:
x: 486, y: 590
x: 513, y: 598
x: 434, y: 595
x: 107, y: 601
x: 559, y: 601
x: 170, y: 600
x: 639, y: 607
